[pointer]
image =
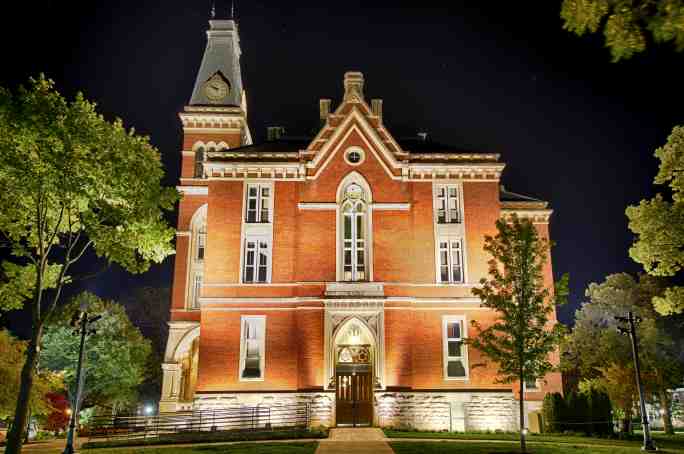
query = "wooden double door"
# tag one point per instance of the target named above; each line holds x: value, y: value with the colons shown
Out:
x: 354, y: 397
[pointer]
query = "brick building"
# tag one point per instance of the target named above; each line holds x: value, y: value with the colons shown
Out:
x: 335, y: 270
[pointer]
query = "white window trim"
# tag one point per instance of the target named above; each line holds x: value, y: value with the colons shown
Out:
x: 257, y: 239
x: 195, y: 267
x: 445, y: 347
x: 263, y: 229
x: 451, y: 231
x: 536, y: 389
x: 459, y: 195
x: 243, y: 348
x: 353, y: 177
x: 359, y: 150
x: 449, y: 239
x: 259, y: 185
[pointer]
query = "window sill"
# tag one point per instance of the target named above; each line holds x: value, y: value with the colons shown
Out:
x: 251, y: 379
x: 461, y: 379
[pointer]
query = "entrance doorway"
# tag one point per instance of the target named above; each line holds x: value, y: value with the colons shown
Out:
x: 354, y: 386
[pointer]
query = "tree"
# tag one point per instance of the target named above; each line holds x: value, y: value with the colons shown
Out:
x: 626, y: 24
x: 116, y: 355
x: 605, y: 356
x: 659, y: 224
x: 11, y: 351
x: 72, y: 182
x: 522, y: 338
x: 148, y: 309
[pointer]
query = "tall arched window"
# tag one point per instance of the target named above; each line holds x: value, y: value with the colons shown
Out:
x: 198, y: 249
x: 354, y: 213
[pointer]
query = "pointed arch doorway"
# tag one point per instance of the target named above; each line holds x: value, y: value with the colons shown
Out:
x: 354, y: 355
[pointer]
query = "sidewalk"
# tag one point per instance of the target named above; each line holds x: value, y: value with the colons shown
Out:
x: 358, y: 441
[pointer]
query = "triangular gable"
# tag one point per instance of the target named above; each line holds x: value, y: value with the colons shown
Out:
x: 349, y: 118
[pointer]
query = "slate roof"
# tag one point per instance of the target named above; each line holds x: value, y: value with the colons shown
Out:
x: 222, y: 54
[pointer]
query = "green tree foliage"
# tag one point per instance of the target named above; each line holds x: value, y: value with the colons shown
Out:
x: 659, y: 224
x: 578, y: 414
x: 116, y: 355
x: 12, y: 351
x: 72, y: 182
x: 521, y: 339
x: 604, y: 357
x: 627, y: 24
x: 600, y: 413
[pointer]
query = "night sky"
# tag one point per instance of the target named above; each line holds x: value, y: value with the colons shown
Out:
x: 574, y: 128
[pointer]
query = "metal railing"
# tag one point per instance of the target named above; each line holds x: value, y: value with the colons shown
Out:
x: 258, y: 418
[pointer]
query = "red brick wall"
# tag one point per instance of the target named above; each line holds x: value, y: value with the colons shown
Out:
x: 224, y: 217
x: 220, y: 352
x: 481, y: 209
x: 309, y: 335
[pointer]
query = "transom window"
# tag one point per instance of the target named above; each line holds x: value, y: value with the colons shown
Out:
x: 252, y: 347
x: 258, y: 203
x: 451, y: 260
x: 354, y: 215
x: 448, y: 204
x: 455, y: 351
x: 257, y: 260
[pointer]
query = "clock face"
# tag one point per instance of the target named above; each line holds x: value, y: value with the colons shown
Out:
x: 216, y: 88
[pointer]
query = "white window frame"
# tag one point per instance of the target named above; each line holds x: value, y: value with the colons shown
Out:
x: 537, y: 386
x: 450, y: 240
x: 445, y: 347
x: 195, y: 289
x: 260, y: 201
x: 257, y: 239
x: 448, y: 199
x: 261, y: 321
x: 354, y: 240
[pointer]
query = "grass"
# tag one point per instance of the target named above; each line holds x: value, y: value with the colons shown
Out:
x: 541, y: 443
x: 446, y: 447
x: 207, y: 437
x: 242, y: 448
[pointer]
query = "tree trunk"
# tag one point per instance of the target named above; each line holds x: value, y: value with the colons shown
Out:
x: 664, y: 398
x: 523, y: 447
x: 14, y: 437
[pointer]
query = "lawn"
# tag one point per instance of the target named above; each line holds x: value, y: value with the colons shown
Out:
x: 453, y: 447
x: 539, y: 444
x: 241, y: 448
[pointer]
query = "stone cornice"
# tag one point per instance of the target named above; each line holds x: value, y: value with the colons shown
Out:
x: 193, y: 190
x: 537, y: 216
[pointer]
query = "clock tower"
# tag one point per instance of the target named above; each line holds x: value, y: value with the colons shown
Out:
x: 215, y: 119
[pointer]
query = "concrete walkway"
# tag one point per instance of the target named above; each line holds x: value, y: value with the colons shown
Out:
x: 367, y: 440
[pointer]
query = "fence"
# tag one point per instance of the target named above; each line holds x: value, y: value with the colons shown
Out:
x: 259, y: 418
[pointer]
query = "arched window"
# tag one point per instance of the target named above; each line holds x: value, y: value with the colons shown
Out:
x: 354, y: 214
x: 198, y: 250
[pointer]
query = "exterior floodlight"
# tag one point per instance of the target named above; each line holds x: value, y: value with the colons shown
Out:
x: 149, y: 409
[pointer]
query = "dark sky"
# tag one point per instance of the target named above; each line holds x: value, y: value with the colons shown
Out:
x: 574, y: 128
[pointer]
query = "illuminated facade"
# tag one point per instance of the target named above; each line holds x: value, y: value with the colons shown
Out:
x: 335, y: 270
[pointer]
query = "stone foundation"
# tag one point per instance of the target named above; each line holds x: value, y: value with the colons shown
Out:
x: 321, y: 404
x: 452, y: 411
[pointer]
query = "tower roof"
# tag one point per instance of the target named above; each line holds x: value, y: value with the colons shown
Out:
x: 221, y: 62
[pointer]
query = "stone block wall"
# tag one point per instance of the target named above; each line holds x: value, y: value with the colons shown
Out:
x: 446, y: 410
x: 321, y: 404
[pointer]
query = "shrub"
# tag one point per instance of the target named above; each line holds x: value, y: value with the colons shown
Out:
x: 601, y: 413
x: 553, y: 411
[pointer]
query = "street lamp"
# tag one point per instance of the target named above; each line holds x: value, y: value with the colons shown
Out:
x: 630, y: 330
x: 80, y: 323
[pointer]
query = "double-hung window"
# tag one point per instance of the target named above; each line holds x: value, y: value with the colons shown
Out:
x: 257, y: 260
x: 448, y: 204
x: 201, y: 243
x: 531, y: 385
x: 450, y: 260
x: 258, y: 203
x: 454, y: 350
x: 252, y: 347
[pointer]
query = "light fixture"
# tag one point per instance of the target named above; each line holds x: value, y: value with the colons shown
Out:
x: 149, y: 409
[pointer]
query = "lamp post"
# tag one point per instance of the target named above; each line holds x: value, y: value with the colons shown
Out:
x: 630, y: 330
x: 80, y: 322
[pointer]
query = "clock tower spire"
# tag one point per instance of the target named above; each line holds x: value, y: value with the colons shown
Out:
x: 215, y: 119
